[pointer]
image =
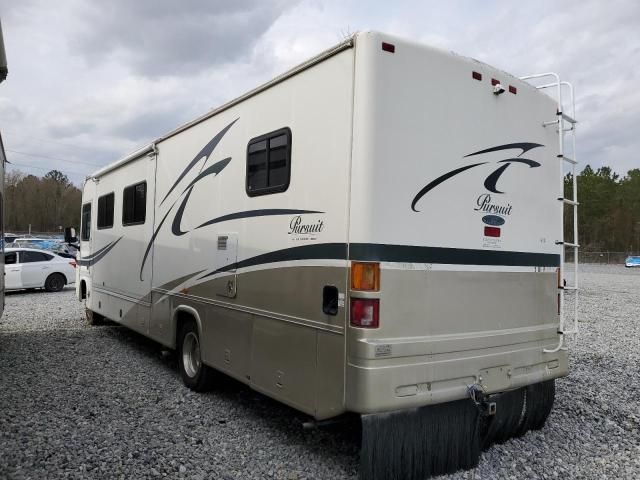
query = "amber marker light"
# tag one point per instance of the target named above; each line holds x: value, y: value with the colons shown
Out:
x: 365, y: 276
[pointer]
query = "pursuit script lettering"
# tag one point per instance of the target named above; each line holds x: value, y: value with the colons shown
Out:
x: 485, y: 205
x: 296, y: 226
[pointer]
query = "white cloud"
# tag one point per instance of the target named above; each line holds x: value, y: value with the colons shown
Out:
x: 89, y: 82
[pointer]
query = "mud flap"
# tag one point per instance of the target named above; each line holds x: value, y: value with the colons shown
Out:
x: 417, y: 443
x: 539, y: 400
x: 517, y: 412
x: 505, y: 423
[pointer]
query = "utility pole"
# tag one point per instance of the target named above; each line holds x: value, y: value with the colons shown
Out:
x: 3, y: 59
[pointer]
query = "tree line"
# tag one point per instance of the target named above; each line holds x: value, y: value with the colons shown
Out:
x: 608, y: 215
x: 46, y: 203
x: 609, y: 210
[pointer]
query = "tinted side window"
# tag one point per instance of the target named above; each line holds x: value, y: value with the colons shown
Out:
x: 269, y: 163
x: 10, y: 258
x: 134, y: 204
x: 105, y: 211
x: 28, y: 257
x: 85, y: 229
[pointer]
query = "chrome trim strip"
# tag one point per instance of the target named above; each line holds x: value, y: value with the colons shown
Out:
x: 122, y: 296
x: 255, y: 311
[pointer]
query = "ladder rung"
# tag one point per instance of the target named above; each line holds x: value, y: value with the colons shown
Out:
x: 569, y: 288
x: 568, y: 201
x: 567, y: 118
x: 568, y: 244
x: 567, y: 159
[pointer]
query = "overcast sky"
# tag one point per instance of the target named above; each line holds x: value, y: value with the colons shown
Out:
x: 91, y: 81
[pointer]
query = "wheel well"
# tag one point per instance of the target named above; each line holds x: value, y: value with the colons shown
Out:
x: 182, y: 317
x: 64, y: 277
x: 83, y: 290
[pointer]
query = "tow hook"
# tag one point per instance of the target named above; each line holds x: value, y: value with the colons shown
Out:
x: 482, y: 401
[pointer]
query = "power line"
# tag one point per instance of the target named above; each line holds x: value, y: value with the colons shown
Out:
x: 47, y: 169
x: 52, y: 158
x: 88, y: 149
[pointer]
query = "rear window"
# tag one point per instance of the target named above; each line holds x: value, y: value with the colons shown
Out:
x: 269, y: 163
x: 29, y: 257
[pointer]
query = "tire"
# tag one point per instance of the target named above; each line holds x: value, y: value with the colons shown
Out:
x: 94, y: 318
x: 539, y: 399
x: 195, y: 374
x: 54, y: 282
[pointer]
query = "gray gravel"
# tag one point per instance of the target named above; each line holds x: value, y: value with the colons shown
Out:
x: 103, y: 402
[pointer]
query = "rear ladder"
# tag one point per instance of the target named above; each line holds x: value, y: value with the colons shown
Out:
x: 566, y: 125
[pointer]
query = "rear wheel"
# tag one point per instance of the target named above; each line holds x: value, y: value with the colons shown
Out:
x: 195, y: 374
x: 54, y: 283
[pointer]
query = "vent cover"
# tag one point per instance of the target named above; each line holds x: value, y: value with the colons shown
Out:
x: 222, y: 242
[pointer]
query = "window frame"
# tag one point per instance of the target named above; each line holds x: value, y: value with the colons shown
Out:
x: 133, y: 186
x: 113, y: 212
x: 83, y: 223
x: 276, y: 188
x: 11, y: 253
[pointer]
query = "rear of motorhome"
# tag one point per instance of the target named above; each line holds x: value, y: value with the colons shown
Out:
x: 378, y: 231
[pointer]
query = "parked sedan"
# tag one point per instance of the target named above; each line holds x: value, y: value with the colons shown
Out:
x: 32, y: 268
x: 632, y: 261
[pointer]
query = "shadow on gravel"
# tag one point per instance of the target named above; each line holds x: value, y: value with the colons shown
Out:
x: 333, y: 440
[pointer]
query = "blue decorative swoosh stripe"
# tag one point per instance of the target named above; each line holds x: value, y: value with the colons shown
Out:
x: 97, y: 256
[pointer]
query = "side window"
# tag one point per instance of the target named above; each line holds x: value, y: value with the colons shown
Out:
x: 10, y: 258
x: 85, y: 229
x: 105, y: 211
x: 29, y: 257
x: 269, y: 163
x: 134, y: 204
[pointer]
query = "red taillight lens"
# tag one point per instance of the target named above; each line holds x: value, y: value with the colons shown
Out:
x: 558, y: 304
x: 73, y: 264
x: 365, y: 313
x: 491, y: 231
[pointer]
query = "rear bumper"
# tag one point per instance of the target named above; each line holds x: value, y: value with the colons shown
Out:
x: 408, y: 379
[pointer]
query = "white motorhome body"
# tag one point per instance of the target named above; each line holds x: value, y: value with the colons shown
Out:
x: 249, y: 220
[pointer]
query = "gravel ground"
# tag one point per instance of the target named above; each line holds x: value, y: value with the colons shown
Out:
x: 103, y: 402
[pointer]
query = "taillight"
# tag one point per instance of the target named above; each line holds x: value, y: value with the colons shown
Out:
x: 491, y: 231
x: 365, y: 276
x: 558, y: 304
x: 73, y: 264
x: 365, y: 313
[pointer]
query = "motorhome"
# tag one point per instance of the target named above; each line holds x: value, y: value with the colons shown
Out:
x: 378, y: 231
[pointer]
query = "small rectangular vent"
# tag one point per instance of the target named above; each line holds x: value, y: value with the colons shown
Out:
x: 222, y: 242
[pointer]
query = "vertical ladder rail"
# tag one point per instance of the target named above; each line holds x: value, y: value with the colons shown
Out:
x: 562, y: 117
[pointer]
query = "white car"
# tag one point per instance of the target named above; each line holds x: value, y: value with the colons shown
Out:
x: 32, y: 268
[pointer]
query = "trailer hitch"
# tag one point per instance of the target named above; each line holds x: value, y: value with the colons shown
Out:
x: 477, y: 393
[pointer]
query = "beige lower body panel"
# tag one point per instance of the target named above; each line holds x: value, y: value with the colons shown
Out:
x: 272, y: 336
x: 393, y: 384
